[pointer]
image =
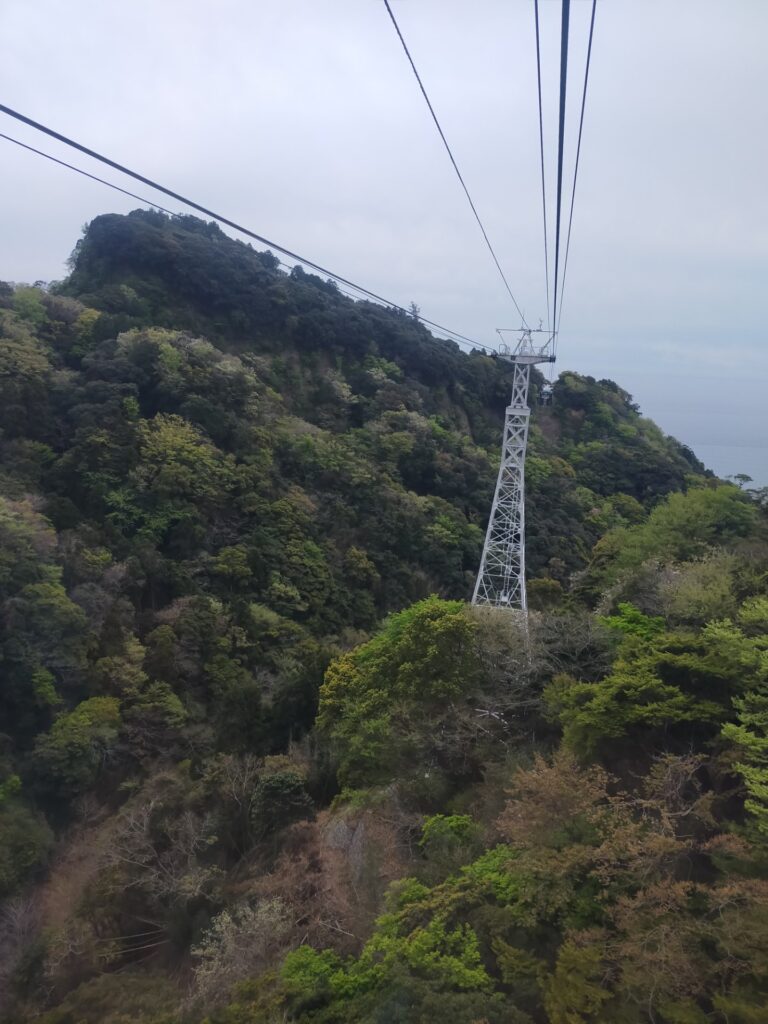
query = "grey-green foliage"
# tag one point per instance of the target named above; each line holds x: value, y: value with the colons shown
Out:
x: 26, y: 841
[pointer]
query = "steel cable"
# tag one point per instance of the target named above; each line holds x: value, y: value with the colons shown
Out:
x: 541, y: 148
x: 210, y: 213
x: 560, y: 143
x: 559, y: 313
x: 452, y: 159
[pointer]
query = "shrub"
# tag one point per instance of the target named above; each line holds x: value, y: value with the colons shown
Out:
x: 25, y: 844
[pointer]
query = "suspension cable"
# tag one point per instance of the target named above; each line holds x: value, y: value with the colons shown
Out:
x: 452, y: 159
x: 86, y: 174
x: 578, y: 153
x: 143, y: 199
x: 561, y: 137
x: 133, y: 195
x: 214, y: 216
x: 541, y: 148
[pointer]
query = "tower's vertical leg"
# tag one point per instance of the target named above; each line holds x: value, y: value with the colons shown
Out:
x: 501, y: 580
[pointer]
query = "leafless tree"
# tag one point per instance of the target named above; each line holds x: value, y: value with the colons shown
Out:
x: 162, y: 857
x: 19, y: 927
x: 240, y: 943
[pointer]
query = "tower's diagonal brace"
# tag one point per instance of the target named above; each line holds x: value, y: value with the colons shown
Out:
x: 501, y: 580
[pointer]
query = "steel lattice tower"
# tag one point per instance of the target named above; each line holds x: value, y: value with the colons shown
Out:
x: 501, y: 579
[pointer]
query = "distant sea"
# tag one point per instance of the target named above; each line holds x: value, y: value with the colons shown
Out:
x: 709, y: 400
x: 728, y: 459
x: 728, y: 431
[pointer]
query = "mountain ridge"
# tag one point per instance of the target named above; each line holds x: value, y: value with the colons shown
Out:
x: 260, y: 761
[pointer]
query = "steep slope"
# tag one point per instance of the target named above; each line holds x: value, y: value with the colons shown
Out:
x: 319, y: 351
x: 218, y: 478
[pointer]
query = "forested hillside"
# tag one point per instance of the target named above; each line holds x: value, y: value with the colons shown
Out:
x: 260, y: 762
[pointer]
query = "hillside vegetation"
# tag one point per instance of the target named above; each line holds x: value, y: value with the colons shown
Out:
x: 261, y: 762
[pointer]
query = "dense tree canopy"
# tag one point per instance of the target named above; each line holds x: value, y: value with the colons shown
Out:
x: 260, y: 761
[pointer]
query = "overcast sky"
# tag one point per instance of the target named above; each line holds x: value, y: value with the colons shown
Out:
x: 302, y: 120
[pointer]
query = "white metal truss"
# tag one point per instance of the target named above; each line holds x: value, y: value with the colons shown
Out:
x: 501, y: 579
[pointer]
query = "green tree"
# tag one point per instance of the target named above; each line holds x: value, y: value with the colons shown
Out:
x: 279, y: 800
x: 25, y: 373
x: 70, y: 757
x: 376, y: 701
x: 749, y: 735
x: 575, y: 994
x: 684, y: 526
x: 681, y: 684
x: 27, y: 842
x: 630, y: 621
